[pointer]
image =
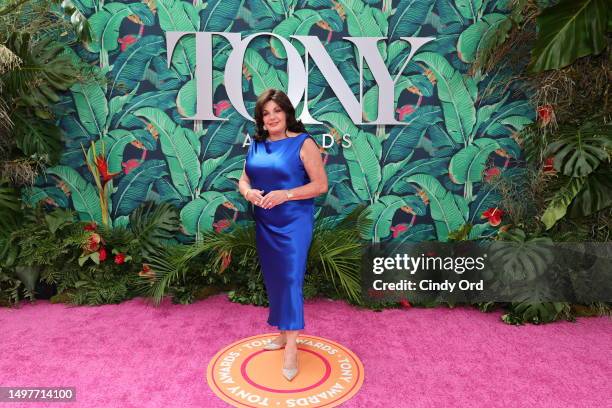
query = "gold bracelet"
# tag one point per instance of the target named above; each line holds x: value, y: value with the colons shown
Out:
x: 246, y: 195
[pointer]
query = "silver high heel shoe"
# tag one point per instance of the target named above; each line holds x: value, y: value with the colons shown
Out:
x: 274, y: 346
x: 290, y: 373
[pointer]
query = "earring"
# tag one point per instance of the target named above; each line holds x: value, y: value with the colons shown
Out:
x: 264, y: 128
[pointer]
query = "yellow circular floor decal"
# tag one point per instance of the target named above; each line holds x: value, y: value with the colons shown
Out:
x: 245, y: 375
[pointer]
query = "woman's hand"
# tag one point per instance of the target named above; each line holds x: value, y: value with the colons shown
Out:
x: 254, y: 196
x: 274, y: 198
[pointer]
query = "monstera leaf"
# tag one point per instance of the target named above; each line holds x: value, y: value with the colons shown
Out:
x: 557, y: 208
x: 567, y: 31
x: 199, y: 214
x: 449, y: 211
x: 520, y: 257
x: 468, y: 163
x: 134, y: 187
x: 91, y: 105
x: 579, y: 152
x: 596, y: 194
x: 85, y: 198
x: 457, y: 100
x: 481, y: 36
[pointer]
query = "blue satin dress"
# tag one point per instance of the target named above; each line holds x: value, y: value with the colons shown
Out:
x: 283, y: 233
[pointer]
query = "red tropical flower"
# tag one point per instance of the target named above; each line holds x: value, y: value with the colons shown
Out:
x: 146, y: 271
x: 405, y: 304
x: 545, y: 114
x: 548, y: 167
x: 491, y: 173
x: 102, y: 166
x: 126, y: 41
x: 493, y: 215
x: 90, y: 227
x: 120, y: 258
x: 102, y: 254
x: 93, y: 242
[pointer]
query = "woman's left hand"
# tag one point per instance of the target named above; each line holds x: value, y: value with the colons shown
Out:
x: 273, y: 198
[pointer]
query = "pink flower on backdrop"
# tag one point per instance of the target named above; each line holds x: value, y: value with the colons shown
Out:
x: 220, y: 107
x: 405, y: 111
x: 491, y: 173
x: 398, y: 229
x: 127, y: 41
x: 130, y: 165
x: 221, y: 225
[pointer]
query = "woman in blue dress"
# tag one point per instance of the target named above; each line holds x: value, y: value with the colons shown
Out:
x: 283, y: 173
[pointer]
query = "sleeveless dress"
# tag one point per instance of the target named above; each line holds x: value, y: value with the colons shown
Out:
x: 283, y: 233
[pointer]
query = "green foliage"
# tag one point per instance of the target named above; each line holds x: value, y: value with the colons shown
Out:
x: 537, y: 313
x: 578, y: 152
x: 569, y: 30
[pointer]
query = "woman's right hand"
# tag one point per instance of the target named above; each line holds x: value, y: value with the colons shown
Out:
x: 254, y: 196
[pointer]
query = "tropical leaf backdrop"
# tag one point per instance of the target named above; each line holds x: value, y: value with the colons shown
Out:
x: 420, y: 181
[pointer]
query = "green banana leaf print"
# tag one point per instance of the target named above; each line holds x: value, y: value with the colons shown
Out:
x: 420, y: 180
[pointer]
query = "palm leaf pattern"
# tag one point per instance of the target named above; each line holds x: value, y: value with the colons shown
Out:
x: 427, y: 175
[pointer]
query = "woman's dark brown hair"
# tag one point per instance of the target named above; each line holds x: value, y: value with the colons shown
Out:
x: 282, y: 100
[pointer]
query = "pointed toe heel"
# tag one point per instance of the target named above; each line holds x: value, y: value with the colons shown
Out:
x: 290, y: 373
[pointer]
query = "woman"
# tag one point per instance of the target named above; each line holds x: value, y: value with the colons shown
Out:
x: 283, y: 173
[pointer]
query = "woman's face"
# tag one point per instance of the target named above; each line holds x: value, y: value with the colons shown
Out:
x: 274, y: 118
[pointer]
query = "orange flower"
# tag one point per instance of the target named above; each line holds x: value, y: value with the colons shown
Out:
x: 225, y: 261
x: 146, y: 271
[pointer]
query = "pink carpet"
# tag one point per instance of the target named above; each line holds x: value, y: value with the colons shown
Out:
x: 135, y: 355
